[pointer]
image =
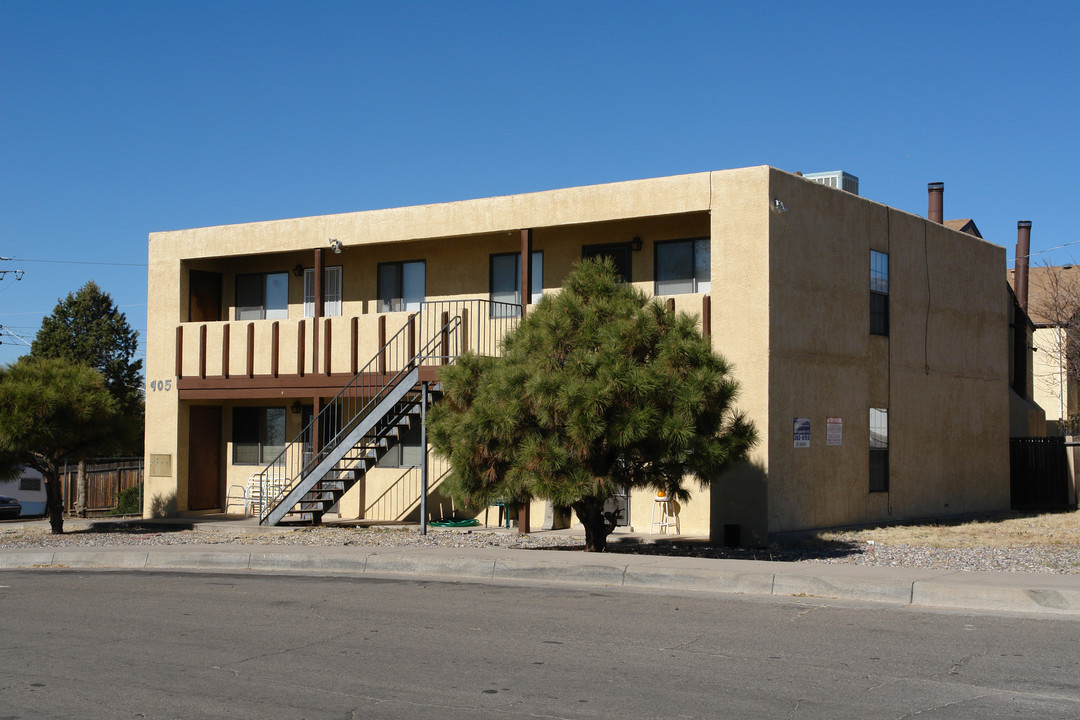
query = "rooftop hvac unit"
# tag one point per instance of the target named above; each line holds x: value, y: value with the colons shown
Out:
x: 836, y: 179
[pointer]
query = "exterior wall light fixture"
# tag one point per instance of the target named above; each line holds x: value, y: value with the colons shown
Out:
x: 298, y: 270
x: 636, y: 244
x: 335, y: 245
x: 779, y: 206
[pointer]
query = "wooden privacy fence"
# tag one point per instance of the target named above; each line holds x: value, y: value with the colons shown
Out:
x: 105, y: 479
x: 1039, y: 473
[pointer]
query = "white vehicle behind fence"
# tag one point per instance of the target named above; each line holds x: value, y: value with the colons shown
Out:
x: 28, y: 490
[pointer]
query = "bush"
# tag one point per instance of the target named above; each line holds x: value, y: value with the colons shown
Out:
x: 127, y: 502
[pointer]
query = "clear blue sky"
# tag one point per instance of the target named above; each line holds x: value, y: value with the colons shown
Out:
x: 118, y: 119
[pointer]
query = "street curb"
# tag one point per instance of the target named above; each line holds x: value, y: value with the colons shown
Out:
x: 995, y: 592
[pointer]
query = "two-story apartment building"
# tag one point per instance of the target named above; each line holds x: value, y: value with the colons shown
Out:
x: 870, y: 343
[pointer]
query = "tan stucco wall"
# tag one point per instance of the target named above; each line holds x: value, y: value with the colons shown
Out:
x: 942, y: 372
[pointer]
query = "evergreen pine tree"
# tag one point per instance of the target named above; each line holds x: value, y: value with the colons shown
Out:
x: 599, y: 388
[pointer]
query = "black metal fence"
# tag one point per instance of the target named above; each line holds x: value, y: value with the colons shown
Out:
x: 1039, y: 473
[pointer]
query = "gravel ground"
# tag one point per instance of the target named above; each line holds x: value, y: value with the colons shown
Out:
x: 839, y: 548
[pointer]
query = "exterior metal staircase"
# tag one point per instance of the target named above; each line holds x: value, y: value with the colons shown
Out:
x: 371, y: 414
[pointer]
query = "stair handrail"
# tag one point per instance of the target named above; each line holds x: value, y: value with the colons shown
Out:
x: 290, y: 466
x: 447, y: 321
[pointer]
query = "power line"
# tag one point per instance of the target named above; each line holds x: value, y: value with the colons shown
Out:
x: 74, y: 262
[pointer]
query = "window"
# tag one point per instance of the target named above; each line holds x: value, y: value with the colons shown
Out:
x: 506, y: 282
x: 618, y: 252
x: 258, y: 434
x: 879, y: 450
x: 331, y: 291
x: 262, y: 296
x: 29, y: 483
x: 401, y: 286
x: 682, y: 266
x: 879, y: 293
x: 406, y: 453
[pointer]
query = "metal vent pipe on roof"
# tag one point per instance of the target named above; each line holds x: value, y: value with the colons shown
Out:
x: 936, y: 209
x: 1023, y: 249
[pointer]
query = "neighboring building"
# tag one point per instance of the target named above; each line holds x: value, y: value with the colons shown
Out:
x: 870, y: 343
x: 1053, y: 300
x: 29, y: 489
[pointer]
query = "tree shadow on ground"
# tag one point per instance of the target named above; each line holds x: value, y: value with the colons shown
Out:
x: 795, y: 551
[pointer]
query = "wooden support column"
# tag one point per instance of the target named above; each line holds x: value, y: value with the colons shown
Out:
x: 179, y: 351
x: 318, y: 272
x: 275, y: 344
x: 670, y: 304
x: 706, y: 316
x: 300, y: 348
x: 202, y: 352
x: 526, y: 269
x: 251, y: 350
x: 225, y: 350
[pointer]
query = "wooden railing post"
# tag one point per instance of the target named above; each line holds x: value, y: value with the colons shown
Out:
x: 445, y: 339
x: 706, y: 316
x: 382, y: 343
x: 327, y: 345
x: 225, y: 350
x: 300, y: 348
x: 354, y: 340
x: 179, y: 351
x: 202, y: 352
x: 251, y: 350
x: 274, y: 348
x: 412, y: 336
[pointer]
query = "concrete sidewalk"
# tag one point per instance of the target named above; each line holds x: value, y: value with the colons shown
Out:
x: 984, y: 591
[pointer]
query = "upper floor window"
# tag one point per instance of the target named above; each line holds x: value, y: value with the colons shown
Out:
x: 506, y: 282
x: 879, y: 450
x: 682, y: 266
x: 262, y: 296
x: 331, y: 291
x: 618, y: 252
x: 401, y: 286
x: 879, y: 293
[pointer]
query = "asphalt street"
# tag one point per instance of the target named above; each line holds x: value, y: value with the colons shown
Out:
x: 116, y: 644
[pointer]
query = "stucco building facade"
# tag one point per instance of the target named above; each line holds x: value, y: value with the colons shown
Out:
x: 870, y: 344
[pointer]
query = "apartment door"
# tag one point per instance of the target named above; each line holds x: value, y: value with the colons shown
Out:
x: 204, y: 458
x: 204, y: 296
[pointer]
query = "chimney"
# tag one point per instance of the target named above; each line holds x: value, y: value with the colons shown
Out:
x: 1023, y: 249
x: 936, y: 192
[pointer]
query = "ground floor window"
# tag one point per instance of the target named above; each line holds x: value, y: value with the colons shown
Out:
x: 879, y: 450
x: 407, y: 453
x: 258, y: 434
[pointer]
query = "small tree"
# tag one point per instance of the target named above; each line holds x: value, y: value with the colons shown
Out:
x: 599, y: 388
x: 86, y: 327
x: 51, y: 410
x: 1055, y: 308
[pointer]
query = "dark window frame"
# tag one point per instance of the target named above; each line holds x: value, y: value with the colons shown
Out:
x: 693, y: 242
x: 261, y: 305
x: 395, y: 457
x: 265, y: 452
x: 398, y: 302
x: 879, y: 454
x: 879, y: 296
x: 596, y: 250
x: 537, y: 283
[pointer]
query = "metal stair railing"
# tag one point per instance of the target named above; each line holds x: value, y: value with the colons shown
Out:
x: 449, y: 328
